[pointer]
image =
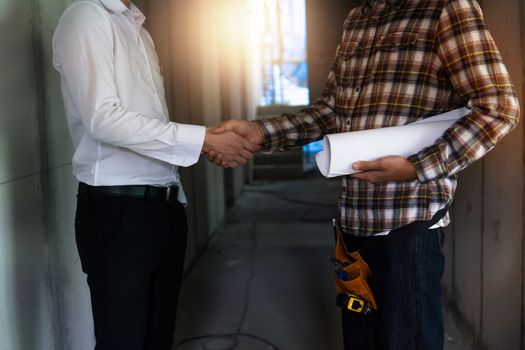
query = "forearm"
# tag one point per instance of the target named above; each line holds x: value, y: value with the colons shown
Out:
x: 479, y: 77
x: 289, y: 131
x: 178, y: 144
x: 467, y: 141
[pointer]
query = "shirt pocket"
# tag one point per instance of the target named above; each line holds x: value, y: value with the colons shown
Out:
x: 397, y: 59
x: 345, y: 63
x: 394, y: 54
x: 397, y: 41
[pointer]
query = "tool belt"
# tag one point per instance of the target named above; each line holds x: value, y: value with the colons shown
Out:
x: 351, y: 278
x: 352, y: 272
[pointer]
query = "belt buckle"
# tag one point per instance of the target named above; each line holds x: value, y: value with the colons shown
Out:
x: 169, y: 192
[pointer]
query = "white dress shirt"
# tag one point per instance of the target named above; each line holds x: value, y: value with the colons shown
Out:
x: 115, y: 101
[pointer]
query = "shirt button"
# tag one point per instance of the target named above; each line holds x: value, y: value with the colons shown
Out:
x: 357, y: 89
x: 374, y: 21
x: 348, y: 122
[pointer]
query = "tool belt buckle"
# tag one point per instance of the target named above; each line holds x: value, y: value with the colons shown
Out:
x: 355, y: 304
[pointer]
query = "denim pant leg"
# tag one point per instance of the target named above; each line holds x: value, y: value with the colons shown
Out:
x: 407, y: 267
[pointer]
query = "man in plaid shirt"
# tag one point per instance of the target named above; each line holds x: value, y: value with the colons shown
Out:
x: 400, y: 61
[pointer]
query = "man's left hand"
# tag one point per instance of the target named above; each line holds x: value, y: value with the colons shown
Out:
x: 385, y: 169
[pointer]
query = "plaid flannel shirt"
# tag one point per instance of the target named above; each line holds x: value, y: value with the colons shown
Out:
x: 400, y: 61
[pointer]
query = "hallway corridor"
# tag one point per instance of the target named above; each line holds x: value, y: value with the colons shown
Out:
x: 266, y: 274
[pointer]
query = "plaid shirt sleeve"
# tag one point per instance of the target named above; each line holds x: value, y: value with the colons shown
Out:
x: 288, y: 131
x: 478, y: 75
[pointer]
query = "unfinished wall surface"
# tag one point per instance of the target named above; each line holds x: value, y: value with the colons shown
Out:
x: 324, y: 26
x: 208, y: 79
x: 484, y: 278
x: 44, y: 302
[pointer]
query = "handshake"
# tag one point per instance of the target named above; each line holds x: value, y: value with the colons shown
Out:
x: 232, y: 143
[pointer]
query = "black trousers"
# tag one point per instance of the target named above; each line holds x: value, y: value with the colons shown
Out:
x: 132, y: 251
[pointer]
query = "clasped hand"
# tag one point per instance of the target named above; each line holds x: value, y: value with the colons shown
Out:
x: 232, y: 143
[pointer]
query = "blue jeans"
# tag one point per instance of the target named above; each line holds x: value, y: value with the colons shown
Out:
x: 407, y: 267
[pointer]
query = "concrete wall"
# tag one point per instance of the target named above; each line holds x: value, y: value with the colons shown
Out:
x: 44, y: 303
x: 484, y: 277
x: 188, y: 104
x: 209, y: 78
x: 324, y: 26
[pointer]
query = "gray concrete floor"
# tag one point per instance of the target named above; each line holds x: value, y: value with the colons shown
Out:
x: 266, y: 275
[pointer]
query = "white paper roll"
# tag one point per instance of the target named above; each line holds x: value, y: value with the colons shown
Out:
x: 342, y: 150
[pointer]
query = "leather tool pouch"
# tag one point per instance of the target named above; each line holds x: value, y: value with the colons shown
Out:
x: 355, y: 285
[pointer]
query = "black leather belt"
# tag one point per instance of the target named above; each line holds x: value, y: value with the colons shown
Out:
x: 147, y: 192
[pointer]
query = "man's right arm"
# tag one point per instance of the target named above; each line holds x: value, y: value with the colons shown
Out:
x: 288, y: 131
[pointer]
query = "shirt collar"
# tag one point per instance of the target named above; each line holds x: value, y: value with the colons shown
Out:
x: 114, y: 5
x: 133, y: 12
x: 135, y: 15
x: 369, y: 4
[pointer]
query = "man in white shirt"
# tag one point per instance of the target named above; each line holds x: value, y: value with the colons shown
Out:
x: 130, y: 223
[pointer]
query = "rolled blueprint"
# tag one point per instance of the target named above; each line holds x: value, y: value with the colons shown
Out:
x: 342, y: 150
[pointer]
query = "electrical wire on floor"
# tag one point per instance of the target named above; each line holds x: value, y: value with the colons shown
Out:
x: 232, y: 339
